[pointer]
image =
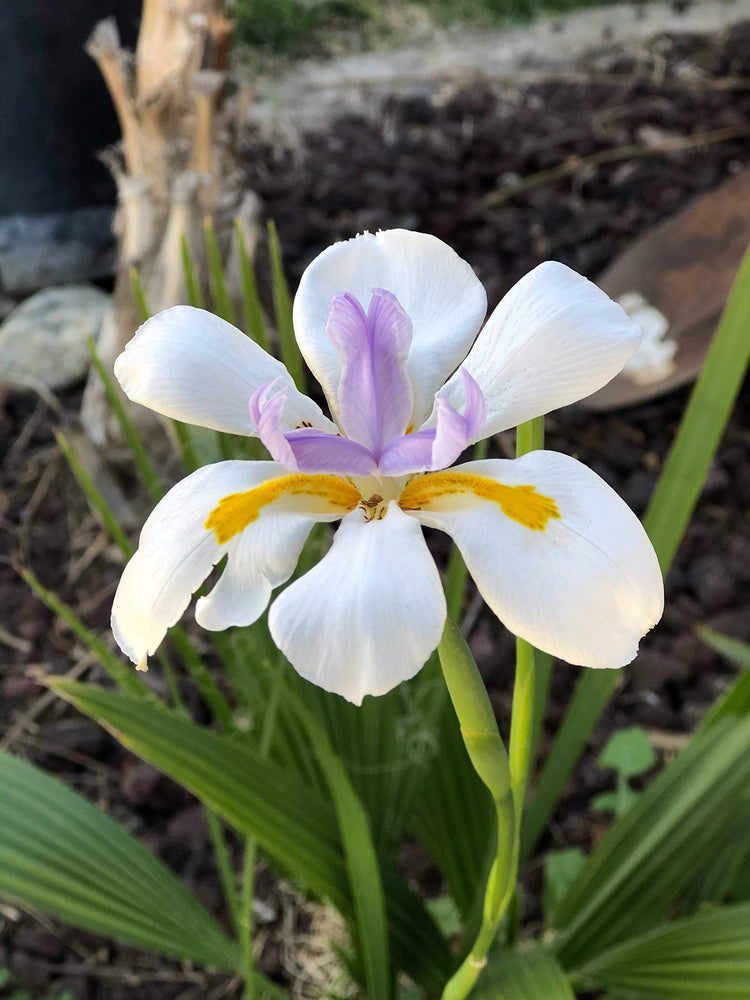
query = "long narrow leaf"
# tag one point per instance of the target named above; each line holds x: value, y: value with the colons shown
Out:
x: 222, y: 302
x: 123, y: 676
x: 261, y: 799
x: 143, y: 463
x: 64, y: 856
x: 705, y: 957
x: 674, y: 831
x: 666, y: 519
x: 290, y: 353
x: 362, y: 866
x: 255, y: 322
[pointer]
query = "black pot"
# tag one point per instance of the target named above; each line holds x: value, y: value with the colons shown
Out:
x: 56, y: 198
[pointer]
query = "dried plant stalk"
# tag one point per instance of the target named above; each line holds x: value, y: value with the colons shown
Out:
x: 175, y: 164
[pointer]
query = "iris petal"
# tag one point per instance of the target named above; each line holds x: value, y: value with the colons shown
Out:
x: 553, y: 339
x: 305, y: 449
x: 369, y: 614
x: 439, y: 446
x: 374, y: 393
x: 564, y: 563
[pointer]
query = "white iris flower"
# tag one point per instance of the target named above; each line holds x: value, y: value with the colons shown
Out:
x: 388, y: 325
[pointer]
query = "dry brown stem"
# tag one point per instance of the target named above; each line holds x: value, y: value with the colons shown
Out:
x: 176, y: 163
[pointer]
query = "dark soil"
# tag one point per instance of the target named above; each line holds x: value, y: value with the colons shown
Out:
x: 425, y: 162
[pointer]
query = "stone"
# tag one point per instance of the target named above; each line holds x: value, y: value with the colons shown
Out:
x: 43, y: 341
x: 38, y: 251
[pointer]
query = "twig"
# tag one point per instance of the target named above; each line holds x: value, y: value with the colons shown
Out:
x: 40, y: 491
x: 636, y: 151
x: 14, y: 642
x: 42, y: 703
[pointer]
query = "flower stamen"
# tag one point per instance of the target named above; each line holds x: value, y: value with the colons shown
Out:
x: 373, y: 508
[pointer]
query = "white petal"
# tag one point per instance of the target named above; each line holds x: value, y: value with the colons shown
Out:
x: 553, y: 339
x: 260, y: 559
x: 369, y: 614
x: 176, y: 553
x: 438, y: 290
x: 188, y: 364
x: 586, y: 588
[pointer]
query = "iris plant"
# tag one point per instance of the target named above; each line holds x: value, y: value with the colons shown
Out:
x: 389, y: 325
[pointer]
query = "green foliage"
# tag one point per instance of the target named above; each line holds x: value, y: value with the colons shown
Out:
x: 523, y: 975
x: 292, y: 25
x: 60, y: 854
x: 561, y: 869
x: 629, y: 753
x: 14, y: 994
x: 705, y: 957
x: 299, y: 27
x: 296, y: 827
x: 735, y: 650
x: 650, y: 857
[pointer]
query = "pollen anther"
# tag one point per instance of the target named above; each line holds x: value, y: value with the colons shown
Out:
x: 374, y: 508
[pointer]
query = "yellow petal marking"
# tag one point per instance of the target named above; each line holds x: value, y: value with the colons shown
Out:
x: 520, y: 503
x: 323, y: 495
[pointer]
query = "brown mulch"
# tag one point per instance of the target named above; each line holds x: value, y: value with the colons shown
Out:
x: 430, y: 161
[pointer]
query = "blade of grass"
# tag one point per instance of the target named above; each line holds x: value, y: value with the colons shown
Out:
x: 205, y: 683
x: 290, y: 353
x: 145, y: 469
x: 656, y: 850
x: 139, y: 294
x: 185, y: 445
x: 190, y: 276
x: 94, y: 496
x: 255, y: 322
x: 666, y: 519
x: 704, y: 957
x: 296, y: 828
x: 123, y: 676
x: 702, y: 426
x: 361, y: 863
x: 222, y: 302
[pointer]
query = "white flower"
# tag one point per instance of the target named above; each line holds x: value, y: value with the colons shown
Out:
x: 388, y: 325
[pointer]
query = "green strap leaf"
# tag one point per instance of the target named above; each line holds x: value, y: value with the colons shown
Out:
x: 62, y: 855
x: 361, y: 863
x: 653, y: 853
x: 523, y: 975
x: 261, y: 799
x: 290, y: 352
x: 704, y: 957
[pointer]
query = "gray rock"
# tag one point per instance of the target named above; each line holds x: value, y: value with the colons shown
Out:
x: 43, y: 341
x: 37, y: 251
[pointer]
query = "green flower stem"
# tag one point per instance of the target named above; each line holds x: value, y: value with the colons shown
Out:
x: 505, y: 775
x: 522, y: 723
x: 526, y: 716
x: 487, y: 753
